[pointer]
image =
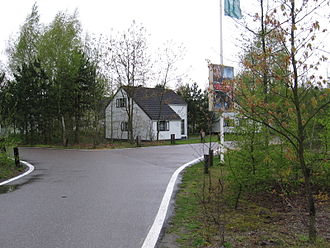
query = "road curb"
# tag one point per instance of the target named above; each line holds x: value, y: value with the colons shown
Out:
x: 31, y: 168
x: 155, y: 230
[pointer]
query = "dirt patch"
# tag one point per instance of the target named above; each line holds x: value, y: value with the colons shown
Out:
x: 169, y: 241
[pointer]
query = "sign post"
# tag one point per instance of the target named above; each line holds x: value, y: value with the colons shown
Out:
x: 220, y: 95
x: 220, y: 76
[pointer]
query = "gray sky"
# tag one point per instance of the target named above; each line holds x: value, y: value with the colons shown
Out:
x: 195, y: 23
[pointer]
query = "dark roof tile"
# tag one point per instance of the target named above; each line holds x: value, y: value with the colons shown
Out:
x: 155, y: 102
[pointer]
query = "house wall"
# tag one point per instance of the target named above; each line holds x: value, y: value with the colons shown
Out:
x: 174, y: 128
x: 142, y: 125
x: 182, y: 111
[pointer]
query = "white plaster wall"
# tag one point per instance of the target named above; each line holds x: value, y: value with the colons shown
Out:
x: 182, y: 111
x: 174, y: 128
x: 142, y: 125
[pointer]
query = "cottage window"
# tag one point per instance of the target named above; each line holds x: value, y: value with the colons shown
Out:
x: 182, y: 127
x: 124, y: 126
x: 121, y: 103
x: 163, y: 126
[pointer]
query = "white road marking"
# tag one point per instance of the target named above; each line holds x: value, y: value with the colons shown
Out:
x: 31, y: 168
x: 154, y: 232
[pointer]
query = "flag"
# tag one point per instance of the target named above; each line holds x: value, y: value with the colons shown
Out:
x: 233, y: 9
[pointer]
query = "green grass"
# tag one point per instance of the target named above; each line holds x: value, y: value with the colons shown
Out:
x: 125, y: 144
x: 251, y: 225
x: 187, y: 222
x: 195, y: 140
x: 108, y: 145
x: 8, y: 168
x: 232, y: 137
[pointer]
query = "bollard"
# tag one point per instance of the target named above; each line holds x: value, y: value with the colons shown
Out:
x: 206, y: 163
x: 172, y: 139
x: 211, y: 157
x: 16, y: 156
x: 138, y: 141
x: 2, y: 145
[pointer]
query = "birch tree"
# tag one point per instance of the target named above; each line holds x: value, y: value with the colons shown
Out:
x: 23, y: 49
x: 170, y: 54
x: 60, y: 55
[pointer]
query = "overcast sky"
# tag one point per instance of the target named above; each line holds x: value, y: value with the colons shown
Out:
x: 195, y: 23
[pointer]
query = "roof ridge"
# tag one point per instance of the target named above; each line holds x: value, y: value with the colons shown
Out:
x: 155, y: 102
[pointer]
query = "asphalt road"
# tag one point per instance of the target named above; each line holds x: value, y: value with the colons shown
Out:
x: 88, y: 198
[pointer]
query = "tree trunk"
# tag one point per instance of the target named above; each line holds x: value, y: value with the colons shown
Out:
x: 157, y: 135
x: 309, y: 195
x: 130, y: 123
x: 253, y: 160
x: 64, y: 138
x: 301, y: 132
x: 77, y: 129
x: 130, y: 130
x: 95, y: 129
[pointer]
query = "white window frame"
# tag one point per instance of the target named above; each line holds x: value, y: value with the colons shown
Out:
x: 121, y: 102
x: 124, y: 126
x: 163, y: 126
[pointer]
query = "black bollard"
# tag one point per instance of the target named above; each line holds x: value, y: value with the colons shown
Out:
x: 138, y: 141
x: 211, y: 156
x: 206, y: 163
x: 2, y: 145
x: 172, y: 139
x: 16, y: 156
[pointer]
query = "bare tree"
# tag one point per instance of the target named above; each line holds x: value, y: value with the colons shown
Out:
x: 130, y: 65
x: 169, y: 56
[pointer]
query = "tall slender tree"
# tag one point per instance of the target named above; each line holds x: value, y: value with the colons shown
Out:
x: 169, y: 56
x: 60, y: 56
x: 130, y: 65
x: 24, y: 48
x: 198, y: 115
x: 276, y: 86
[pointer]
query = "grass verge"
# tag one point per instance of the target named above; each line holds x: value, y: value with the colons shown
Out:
x: 205, y: 215
x: 8, y: 168
x: 116, y: 144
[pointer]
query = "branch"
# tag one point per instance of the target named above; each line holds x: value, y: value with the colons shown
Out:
x: 311, y: 11
x: 274, y: 129
x: 281, y: 125
x: 265, y: 123
x: 315, y: 113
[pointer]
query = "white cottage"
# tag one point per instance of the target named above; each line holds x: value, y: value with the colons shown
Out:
x: 154, y: 109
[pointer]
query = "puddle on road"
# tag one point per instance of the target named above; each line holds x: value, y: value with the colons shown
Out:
x: 10, y: 188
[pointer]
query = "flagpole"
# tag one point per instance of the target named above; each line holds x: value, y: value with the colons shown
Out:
x: 221, y: 37
x: 221, y: 119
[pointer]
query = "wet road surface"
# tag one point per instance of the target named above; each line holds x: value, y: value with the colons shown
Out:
x: 88, y: 198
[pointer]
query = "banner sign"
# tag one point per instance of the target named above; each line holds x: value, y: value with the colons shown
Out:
x: 220, y: 90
